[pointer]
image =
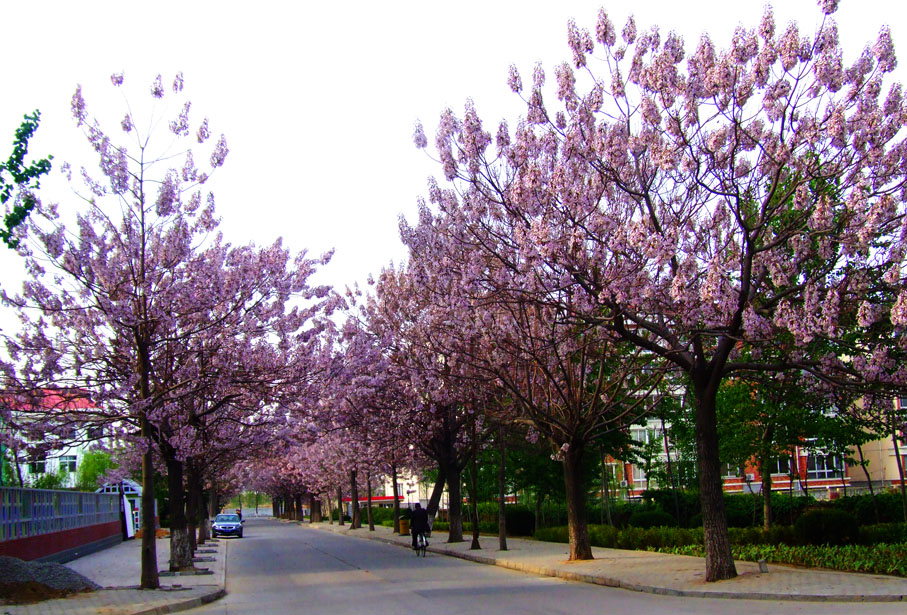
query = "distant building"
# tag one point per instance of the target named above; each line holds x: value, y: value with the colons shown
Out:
x: 59, y: 453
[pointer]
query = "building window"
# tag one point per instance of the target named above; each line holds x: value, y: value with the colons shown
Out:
x: 782, y: 466
x: 824, y: 466
x: 729, y: 470
x: 36, y: 467
x: 68, y: 463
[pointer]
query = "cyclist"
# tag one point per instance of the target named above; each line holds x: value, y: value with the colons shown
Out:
x: 419, y: 523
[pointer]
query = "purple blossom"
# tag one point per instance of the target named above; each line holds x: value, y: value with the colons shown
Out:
x: 168, y: 195
x: 203, y: 132
x: 178, y: 82
x: 883, y: 50
x: 629, y: 31
x: 767, y: 25
x: 116, y: 79
x: 126, y: 123
x: 220, y: 152
x: 604, y: 29
x: 78, y: 106
x: 419, y: 136
x: 157, y: 88
x: 180, y: 126
x: 513, y: 80
x: 828, y: 6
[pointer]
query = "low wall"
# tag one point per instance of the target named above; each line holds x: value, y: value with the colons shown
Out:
x: 50, y: 525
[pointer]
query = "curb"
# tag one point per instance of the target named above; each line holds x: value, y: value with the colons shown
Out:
x: 184, y: 605
x: 617, y: 583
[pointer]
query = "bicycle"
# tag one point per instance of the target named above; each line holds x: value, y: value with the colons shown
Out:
x: 421, y: 544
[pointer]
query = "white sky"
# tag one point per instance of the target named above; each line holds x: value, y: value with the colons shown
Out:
x: 318, y: 100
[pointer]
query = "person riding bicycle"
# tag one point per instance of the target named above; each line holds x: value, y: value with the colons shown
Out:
x: 419, y: 522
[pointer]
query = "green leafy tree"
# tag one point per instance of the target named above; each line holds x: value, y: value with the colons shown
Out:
x: 51, y: 480
x: 18, y: 180
x: 92, y: 466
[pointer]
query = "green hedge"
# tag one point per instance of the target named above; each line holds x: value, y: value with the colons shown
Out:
x: 829, y: 526
x: 651, y: 518
x: 660, y: 537
x: 379, y: 515
x: 875, y: 559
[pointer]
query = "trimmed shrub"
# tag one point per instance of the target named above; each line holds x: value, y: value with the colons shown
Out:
x: 552, y: 534
x: 651, y: 518
x: 379, y: 514
x: 826, y: 526
x: 883, y: 533
x: 888, y: 502
x: 786, y: 510
x: 520, y: 520
x: 739, y: 510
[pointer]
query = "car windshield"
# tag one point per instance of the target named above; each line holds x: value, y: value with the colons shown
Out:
x: 226, y: 518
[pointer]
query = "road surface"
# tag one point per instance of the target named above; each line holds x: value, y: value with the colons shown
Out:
x: 283, y: 569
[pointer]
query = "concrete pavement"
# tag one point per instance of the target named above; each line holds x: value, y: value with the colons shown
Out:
x: 118, y: 571
x: 657, y: 573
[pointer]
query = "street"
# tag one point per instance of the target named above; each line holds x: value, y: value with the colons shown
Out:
x: 280, y: 568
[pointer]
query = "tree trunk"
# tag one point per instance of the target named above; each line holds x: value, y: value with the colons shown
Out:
x: 664, y: 433
x: 213, y: 507
x: 538, y: 510
x: 474, y: 499
x: 434, y: 502
x: 300, y: 514
x: 872, y: 493
x: 355, y: 517
x: 765, y: 468
x: 455, y: 506
x: 577, y: 528
x: 204, y: 527
x: 368, y: 484
x: 150, y: 578
x: 192, y: 490
x: 315, y: 515
x: 340, y: 506
x: 330, y: 509
x: 719, y: 563
x: 502, y: 493
x: 897, y: 457
x: 396, y: 499
x: 180, y: 550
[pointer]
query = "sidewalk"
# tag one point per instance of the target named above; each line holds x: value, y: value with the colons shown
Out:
x: 118, y: 571
x: 657, y: 573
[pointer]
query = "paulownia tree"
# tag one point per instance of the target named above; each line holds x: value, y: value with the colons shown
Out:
x: 707, y: 205
x: 570, y: 382
x: 139, y: 305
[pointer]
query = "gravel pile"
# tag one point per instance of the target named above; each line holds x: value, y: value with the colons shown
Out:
x: 22, y: 581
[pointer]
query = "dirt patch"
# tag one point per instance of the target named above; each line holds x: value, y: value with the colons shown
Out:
x: 30, y: 592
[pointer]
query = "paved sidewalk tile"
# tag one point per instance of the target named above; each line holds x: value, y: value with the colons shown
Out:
x: 658, y: 573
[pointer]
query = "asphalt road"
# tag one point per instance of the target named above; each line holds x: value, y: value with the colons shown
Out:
x: 281, y: 569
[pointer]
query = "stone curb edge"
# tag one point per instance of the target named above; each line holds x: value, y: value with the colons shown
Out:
x: 649, y: 589
x: 185, y: 605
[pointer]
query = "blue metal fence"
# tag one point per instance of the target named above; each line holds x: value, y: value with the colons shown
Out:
x: 32, y: 512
